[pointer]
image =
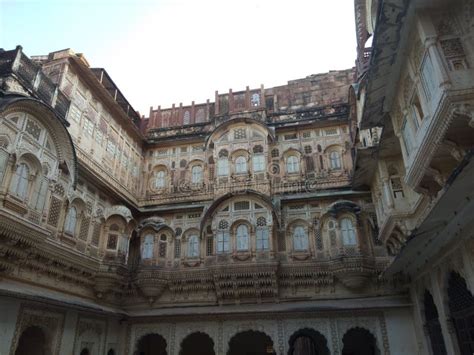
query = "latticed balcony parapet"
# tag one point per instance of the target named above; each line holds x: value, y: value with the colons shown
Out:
x: 30, y: 75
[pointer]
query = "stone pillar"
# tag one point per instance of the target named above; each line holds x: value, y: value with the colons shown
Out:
x: 423, y: 342
x: 444, y: 319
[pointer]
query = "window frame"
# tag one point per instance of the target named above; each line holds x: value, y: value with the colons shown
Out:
x: 242, y: 237
x: 197, y: 176
x: 193, y: 246
x: 241, y: 165
x: 348, y: 234
x: 302, y: 237
x: 258, y: 162
x: 335, y: 160
x: 69, y: 226
x: 292, y: 164
x: 148, y: 240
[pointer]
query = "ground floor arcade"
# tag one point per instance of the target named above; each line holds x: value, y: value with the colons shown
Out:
x: 47, y: 328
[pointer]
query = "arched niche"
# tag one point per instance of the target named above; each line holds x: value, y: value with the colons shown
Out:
x: 359, y: 341
x: 33, y: 341
x: 307, y: 341
x: 197, y: 343
x: 251, y: 342
x: 151, y: 344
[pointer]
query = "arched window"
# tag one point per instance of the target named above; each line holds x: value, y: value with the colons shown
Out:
x: 242, y: 237
x: 71, y: 221
x: 262, y: 234
x: 348, y: 232
x: 223, y: 238
x: 292, y: 164
x: 335, y: 160
x: 19, y: 184
x: 193, y: 246
x: 241, y: 165
x: 160, y: 179
x: 223, y: 167
x: 196, y: 174
x: 147, y: 249
x: 300, y: 239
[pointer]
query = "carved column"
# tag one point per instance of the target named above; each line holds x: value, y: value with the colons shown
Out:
x: 281, y: 339
x: 220, y: 336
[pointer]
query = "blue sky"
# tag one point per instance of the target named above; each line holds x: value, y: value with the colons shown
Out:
x: 165, y: 52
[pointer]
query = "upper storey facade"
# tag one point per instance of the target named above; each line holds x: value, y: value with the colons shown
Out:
x: 104, y: 126
x: 253, y: 188
x: 275, y: 141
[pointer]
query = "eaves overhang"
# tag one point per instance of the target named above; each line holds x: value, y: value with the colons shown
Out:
x: 448, y: 223
x: 365, y: 166
x: 390, y: 38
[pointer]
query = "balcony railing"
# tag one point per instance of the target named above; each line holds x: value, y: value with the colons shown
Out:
x: 32, y: 78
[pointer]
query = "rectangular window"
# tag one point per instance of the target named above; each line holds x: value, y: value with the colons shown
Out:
x: 209, y: 246
x: 40, y: 193
x: 88, y: 127
x: 111, y: 148
x: 75, y: 113
x: 290, y: 136
x: 331, y: 132
x: 307, y: 134
x: 125, y: 161
x: 147, y: 247
x: 258, y: 162
x: 223, y: 242
x: 99, y: 137
x: 112, y: 242
x: 262, y: 238
x: 223, y: 167
x: 241, y: 205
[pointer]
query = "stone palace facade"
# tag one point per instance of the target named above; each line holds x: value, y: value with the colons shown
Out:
x: 331, y: 215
